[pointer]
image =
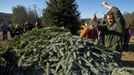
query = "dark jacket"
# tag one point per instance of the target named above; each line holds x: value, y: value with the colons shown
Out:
x: 114, y: 33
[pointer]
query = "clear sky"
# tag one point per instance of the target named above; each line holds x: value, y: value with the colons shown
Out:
x: 86, y: 7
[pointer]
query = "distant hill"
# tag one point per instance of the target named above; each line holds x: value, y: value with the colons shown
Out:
x: 5, y: 16
x: 86, y: 20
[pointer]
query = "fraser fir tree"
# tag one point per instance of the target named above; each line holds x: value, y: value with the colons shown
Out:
x: 62, y: 13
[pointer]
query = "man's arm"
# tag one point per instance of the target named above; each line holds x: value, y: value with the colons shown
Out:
x: 94, y: 18
x: 115, y: 10
x: 117, y: 15
x: 105, y: 4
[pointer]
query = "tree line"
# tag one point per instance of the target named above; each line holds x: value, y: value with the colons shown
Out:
x: 21, y: 15
x: 129, y: 18
x: 59, y: 13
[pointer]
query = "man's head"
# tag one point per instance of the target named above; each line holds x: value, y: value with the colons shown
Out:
x: 110, y: 18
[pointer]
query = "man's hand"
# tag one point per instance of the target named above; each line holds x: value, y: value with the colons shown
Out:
x: 94, y: 17
x: 105, y: 4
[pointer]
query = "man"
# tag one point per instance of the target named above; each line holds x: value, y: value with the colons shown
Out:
x: 114, y: 31
x: 4, y: 29
x: 18, y: 30
x: 127, y: 36
x: 28, y: 26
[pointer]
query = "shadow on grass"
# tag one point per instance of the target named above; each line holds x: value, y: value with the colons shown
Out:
x: 128, y: 64
x: 130, y: 47
x: 128, y: 56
